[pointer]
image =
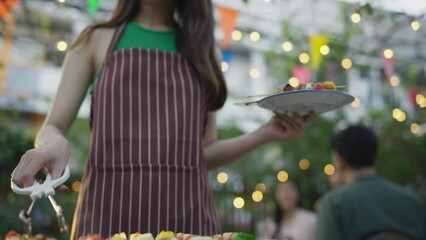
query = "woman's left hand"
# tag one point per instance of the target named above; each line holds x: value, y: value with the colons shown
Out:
x: 285, y: 127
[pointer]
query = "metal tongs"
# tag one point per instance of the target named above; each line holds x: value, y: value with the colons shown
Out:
x: 36, y: 191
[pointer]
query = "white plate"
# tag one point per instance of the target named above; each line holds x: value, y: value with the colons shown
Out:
x: 304, y: 101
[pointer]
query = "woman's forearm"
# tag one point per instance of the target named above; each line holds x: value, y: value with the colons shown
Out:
x: 222, y: 152
x: 46, y: 134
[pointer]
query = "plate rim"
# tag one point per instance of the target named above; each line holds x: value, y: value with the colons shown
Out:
x: 336, y: 92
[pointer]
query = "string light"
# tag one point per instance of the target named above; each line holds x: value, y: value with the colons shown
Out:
x: 61, y: 1
x: 356, y: 103
x: 324, y: 50
x: 399, y: 115
x: 329, y: 169
x: 421, y: 100
x: 304, y: 58
x: 238, y: 202
x: 257, y: 196
x: 222, y: 177
x: 415, y: 128
x: 254, y: 73
x: 236, y: 35
x: 388, y: 53
x: 255, y: 36
x: 282, y: 176
x: 346, y: 63
x: 356, y: 18
x: 76, y: 186
x: 415, y: 25
x: 287, y: 46
x: 225, y: 66
x: 61, y: 46
x: 294, y: 82
x: 261, y: 187
x: 394, y: 81
x: 304, y: 164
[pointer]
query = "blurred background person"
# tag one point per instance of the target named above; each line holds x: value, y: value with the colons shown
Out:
x: 290, y: 221
x: 367, y: 206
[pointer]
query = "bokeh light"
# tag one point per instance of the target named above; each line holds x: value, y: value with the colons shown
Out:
x: 304, y: 58
x: 346, y: 63
x: 304, y: 164
x: 282, y: 176
x: 356, y: 18
x: 294, y: 82
x: 239, y: 202
x: 257, y: 196
x: 356, y: 103
x: 287, y: 46
x: 329, y: 169
x: 415, y: 25
x: 260, y: 187
x: 222, y: 177
x: 254, y: 73
x: 225, y: 66
x: 324, y: 50
x: 255, y: 36
x: 236, y: 35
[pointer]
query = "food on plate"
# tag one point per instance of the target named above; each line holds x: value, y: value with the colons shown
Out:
x: 163, y: 235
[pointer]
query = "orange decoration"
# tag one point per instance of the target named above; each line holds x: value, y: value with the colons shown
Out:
x: 6, y: 7
x: 227, y: 19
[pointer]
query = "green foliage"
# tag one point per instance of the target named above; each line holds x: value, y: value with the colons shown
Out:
x: 13, y: 144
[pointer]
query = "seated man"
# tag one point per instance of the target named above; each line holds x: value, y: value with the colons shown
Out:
x: 367, y: 205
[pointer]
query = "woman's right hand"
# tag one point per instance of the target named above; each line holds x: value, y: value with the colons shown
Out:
x: 53, y: 155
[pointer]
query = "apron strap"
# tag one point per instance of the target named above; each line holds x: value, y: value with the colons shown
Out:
x: 115, y: 38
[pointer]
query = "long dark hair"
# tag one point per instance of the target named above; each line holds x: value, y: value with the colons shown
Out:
x: 194, y: 40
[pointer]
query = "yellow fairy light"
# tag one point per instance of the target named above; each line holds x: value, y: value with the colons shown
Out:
x: 399, y: 115
x: 419, y: 98
x: 422, y: 103
x: 294, y: 82
x: 225, y: 66
x: 222, y: 177
x: 415, y: 128
x: 304, y: 58
x: 257, y: 196
x: 329, y: 169
x: 324, y: 50
x: 394, y: 81
x: 260, y: 187
x: 356, y: 103
x: 388, y: 53
x: 415, y: 25
x: 304, y: 164
x: 238, y: 202
x: 255, y: 36
x: 346, y: 63
x: 61, y: 46
x: 236, y: 35
x: 356, y: 18
x: 287, y: 46
x: 282, y: 176
x: 254, y: 73
x: 61, y: 1
x: 76, y: 186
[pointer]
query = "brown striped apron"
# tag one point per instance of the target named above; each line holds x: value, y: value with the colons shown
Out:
x: 146, y: 170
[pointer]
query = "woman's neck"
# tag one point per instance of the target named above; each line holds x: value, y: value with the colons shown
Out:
x: 156, y: 15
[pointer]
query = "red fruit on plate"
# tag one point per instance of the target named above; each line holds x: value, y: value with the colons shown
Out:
x: 319, y: 86
x: 12, y: 235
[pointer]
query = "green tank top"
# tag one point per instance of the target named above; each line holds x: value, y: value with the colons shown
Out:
x: 135, y: 36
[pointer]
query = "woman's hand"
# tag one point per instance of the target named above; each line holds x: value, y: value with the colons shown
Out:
x: 53, y: 155
x: 284, y: 127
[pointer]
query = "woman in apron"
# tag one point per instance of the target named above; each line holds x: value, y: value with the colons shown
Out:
x: 157, y: 84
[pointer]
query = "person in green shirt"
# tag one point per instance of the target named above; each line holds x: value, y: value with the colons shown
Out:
x: 368, y: 205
